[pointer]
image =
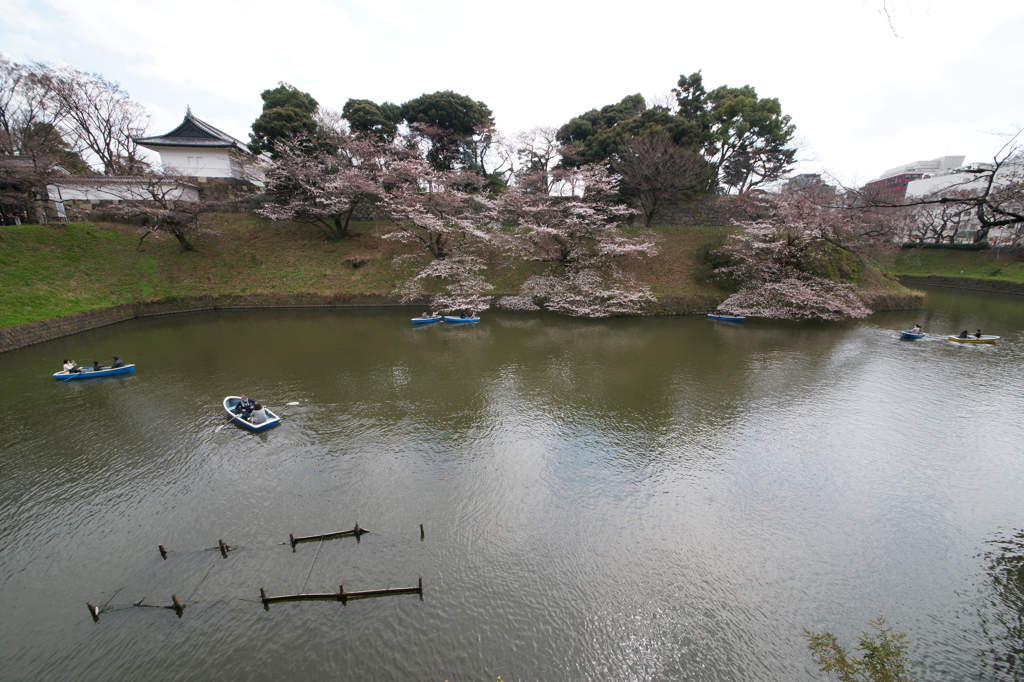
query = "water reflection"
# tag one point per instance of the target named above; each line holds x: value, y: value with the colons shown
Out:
x: 625, y: 499
x: 1001, y: 613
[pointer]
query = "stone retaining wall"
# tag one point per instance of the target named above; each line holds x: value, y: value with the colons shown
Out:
x: 715, y: 211
x: 47, y: 330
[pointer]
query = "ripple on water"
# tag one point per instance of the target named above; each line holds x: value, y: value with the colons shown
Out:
x: 617, y: 499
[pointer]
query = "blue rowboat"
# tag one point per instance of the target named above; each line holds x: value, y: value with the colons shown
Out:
x: 231, y: 402
x: 912, y: 335
x: 90, y: 373
x: 420, y: 321
x: 460, y: 320
x: 725, y: 318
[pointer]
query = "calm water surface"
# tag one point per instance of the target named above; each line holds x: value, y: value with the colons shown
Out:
x: 629, y: 499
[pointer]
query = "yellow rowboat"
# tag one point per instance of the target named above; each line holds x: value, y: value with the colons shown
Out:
x: 974, y: 339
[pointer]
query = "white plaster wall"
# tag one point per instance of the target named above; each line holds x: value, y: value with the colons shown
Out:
x: 118, y: 191
x: 197, y: 163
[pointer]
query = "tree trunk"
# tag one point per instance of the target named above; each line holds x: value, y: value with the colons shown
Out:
x: 340, y: 227
x: 182, y: 238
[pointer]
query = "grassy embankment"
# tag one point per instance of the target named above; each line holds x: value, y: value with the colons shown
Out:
x: 989, y: 264
x: 47, y: 271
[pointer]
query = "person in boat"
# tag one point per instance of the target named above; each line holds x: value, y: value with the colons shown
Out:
x: 70, y: 366
x: 118, y: 362
x: 977, y: 334
x: 963, y: 335
x: 244, y: 407
x: 96, y: 366
x: 463, y: 315
x: 917, y: 329
x: 259, y: 415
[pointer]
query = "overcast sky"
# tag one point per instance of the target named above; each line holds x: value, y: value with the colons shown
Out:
x: 866, y: 91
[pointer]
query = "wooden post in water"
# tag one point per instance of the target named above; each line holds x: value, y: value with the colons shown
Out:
x: 357, y: 531
x: 163, y: 552
x: 422, y: 535
x: 341, y: 593
x: 178, y: 607
x: 223, y: 548
x: 93, y: 611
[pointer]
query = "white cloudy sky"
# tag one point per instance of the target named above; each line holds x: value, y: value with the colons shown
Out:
x: 863, y: 98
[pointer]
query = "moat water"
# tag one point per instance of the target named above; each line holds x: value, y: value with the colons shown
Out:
x: 628, y: 499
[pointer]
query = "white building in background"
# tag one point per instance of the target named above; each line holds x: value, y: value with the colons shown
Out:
x: 971, y: 178
x: 943, y: 164
x: 196, y: 149
x: 963, y: 178
x: 892, y: 185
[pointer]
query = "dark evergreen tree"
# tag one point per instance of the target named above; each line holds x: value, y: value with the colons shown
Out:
x: 451, y: 123
x: 367, y: 117
x: 287, y: 113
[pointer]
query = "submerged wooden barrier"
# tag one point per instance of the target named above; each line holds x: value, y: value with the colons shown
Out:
x: 221, y: 545
x: 355, y: 532
x: 341, y: 595
x: 177, y: 607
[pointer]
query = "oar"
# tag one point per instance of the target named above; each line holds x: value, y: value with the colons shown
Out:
x: 74, y: 375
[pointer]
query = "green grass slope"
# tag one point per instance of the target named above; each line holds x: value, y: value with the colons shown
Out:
x: 47, y: 271
x: 989, y: 264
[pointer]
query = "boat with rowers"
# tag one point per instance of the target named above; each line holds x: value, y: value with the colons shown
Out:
x: 92, y: 373
x: 974, y: 339
x: 450, y: 319
x: 231, y: 402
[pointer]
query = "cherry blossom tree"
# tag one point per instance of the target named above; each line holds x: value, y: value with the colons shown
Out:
x: 162, y: 202
x: 454, y: 227
x: 800, y: 259
x: 325, y: 184
x: 464, y: 287
x: 448, y: 221
x: 578, y: 233
x: 436, y: 211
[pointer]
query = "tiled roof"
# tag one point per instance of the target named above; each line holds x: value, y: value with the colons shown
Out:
x: 118, y: 179
x: 193, y: 133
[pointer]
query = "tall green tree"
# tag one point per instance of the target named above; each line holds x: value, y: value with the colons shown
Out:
x: 367, y: 117
x: 747, y: 138
x: 454, y: 125
x: 287, y: 113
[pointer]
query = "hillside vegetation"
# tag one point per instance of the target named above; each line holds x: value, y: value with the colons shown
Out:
x: 51, y: 270
x: 989, y: 264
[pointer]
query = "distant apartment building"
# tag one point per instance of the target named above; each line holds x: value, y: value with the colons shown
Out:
x: 891, y: 186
